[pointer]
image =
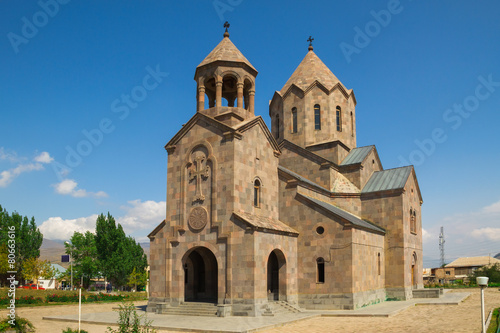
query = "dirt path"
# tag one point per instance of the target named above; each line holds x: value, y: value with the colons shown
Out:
x: 465, y: 317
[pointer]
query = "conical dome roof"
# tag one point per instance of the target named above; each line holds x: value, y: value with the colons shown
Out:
x: 309, y: 70
x: 225, y: 51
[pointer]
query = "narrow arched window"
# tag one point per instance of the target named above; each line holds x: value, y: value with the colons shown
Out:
x: 256, y: 193
x: 378, y: 263
x: 352, y: 125
x: 413, y: 224
x: 320, y: 263
x: 277, y: 126
x: 317, y: 117
x: 339, y: 119
x: 294, y: 120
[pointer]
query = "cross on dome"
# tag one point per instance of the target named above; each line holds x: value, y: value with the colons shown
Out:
x: 310, y: 40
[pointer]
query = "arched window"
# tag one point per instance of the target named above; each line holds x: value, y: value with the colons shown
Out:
x: 277, y: 126
x: 320, y: 263
x: 339, y: 119
x: 413, y: 224
x: 256, y: 193
x: 294, y: 120
x: 378, y: 263
x: 352, y: 125
x: 317, y: 117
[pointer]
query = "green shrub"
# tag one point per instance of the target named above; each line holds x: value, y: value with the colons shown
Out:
x: 61, y: 298
x: 70, y: 330
x: 21, y: 325
x: 130, y: 322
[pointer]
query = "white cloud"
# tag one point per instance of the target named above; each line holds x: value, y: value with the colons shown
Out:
x: 492, y: 234
x: 69, y: 187
x: 140, y: 218
x: 57, y: 228
x: 7, y: 176
x: 493, y: 208
x: 12, y: 157
x: 44, y: 157
x: 142, y: 215
x: 427, y: 236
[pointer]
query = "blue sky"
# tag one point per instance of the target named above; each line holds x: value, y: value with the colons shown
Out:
x: 426, y: 76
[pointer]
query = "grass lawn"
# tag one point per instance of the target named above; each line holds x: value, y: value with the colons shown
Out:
x: 494, y: 322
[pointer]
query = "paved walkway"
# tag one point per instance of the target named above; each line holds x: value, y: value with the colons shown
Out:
x: 253, y: 324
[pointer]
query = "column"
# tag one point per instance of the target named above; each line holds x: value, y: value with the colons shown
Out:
x: 218, y: 93
x: 201, y: 98
x: 240, y: 94
x: 251, y: 94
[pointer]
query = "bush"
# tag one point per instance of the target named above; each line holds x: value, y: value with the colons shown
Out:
x: 130, y: 321
x: 22, y: 325
x: 61, y: 298
x: 70, y: 330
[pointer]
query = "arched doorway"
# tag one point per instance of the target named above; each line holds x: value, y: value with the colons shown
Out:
x: 276, y: 276
x: 200, y: 275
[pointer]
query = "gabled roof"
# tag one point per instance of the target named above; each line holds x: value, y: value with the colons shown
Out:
x: 473, y: 262
x: 225, y: 51
x: 386, y: 180
x: 265, y: 223
x: 357, y: 155
x: 187, y: 126
x: 351, y: 218
x: 249, y: 123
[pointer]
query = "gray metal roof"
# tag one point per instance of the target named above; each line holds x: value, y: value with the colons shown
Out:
x: 300, y: 178
x: 357, y: 155
x: 391, y: 179
x: 343, y: 214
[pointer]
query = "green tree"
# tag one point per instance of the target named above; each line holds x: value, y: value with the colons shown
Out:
x: 490, y: 271
x: 83, y: 252
x: 137, y: 278
x: 34, y: 268
x: 28, y: 238
x: 117, y: 253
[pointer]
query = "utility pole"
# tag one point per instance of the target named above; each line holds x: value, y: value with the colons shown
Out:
x: 441, y: 246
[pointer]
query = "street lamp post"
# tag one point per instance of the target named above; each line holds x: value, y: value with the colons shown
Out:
x: 482, y: 281
x: 71, y: 264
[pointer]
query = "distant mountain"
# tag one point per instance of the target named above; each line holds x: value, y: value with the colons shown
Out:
x: 50, y: 244
x: 497, y: 256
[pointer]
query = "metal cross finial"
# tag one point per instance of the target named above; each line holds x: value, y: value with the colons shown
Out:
x: 310, y: 40
x: 226, y: 25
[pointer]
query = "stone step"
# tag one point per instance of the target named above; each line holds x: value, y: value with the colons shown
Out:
x: 192, y: 309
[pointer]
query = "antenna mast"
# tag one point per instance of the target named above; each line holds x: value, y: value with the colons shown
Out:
x: 441, y: 246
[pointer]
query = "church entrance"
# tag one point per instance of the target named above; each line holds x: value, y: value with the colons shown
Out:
x: 200, y: 276
x: 276, y: 275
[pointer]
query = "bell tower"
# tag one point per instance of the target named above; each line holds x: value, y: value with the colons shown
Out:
x: 314, y: 110
x: 226, y: 83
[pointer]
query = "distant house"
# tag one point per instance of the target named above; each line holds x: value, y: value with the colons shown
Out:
x: 459, y: 269
x: 467, y: 265
x: 52, y: 283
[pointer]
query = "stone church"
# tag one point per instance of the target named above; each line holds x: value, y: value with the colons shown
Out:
x: 297, y: 215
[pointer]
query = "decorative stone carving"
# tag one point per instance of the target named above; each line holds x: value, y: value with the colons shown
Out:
x: 199, y: 172
x: 198, y: 218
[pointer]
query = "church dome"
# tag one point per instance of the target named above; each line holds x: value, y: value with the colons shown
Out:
x: 225, y: 51
x: 311, y: 69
